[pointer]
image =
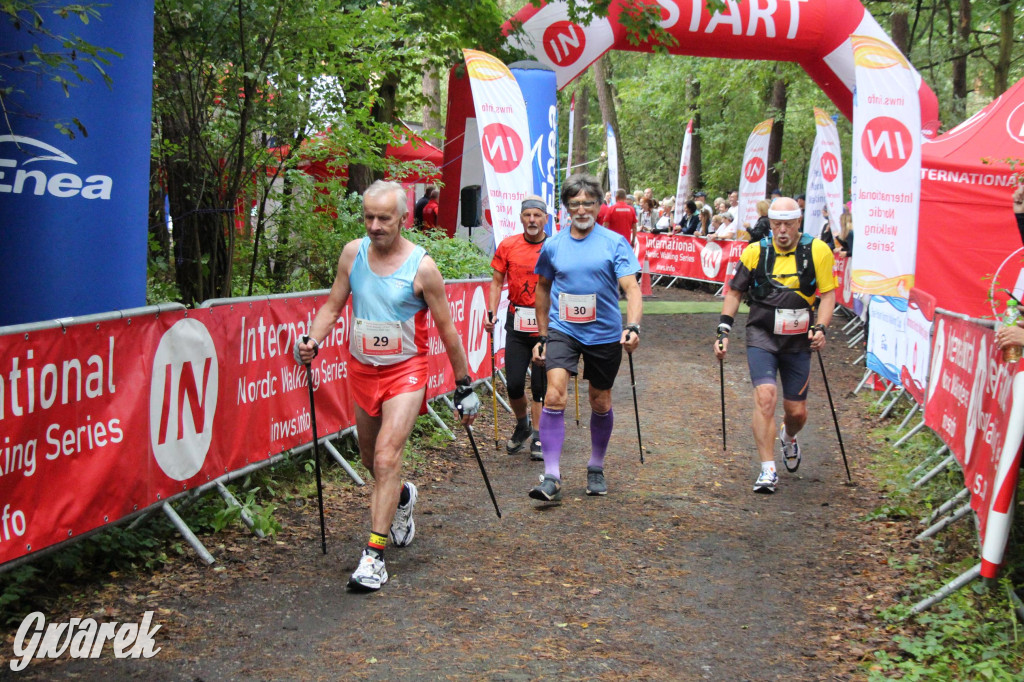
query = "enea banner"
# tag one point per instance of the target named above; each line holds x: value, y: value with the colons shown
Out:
x: 824, y: 177
x: 974, y: 405
x: 537, y: 82
x: 887, y: 169
x: 887, y: 336
x: 754, y: 178
x: 102, y: 420
x: 504, y: 132
x: 612, y: 146
x: 690, y: 257
x: 73, y: 210
x: 683, y: 184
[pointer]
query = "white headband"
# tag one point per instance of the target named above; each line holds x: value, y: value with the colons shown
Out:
x: 775, y: 214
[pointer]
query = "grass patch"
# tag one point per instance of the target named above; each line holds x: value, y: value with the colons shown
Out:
x: 681, y: 307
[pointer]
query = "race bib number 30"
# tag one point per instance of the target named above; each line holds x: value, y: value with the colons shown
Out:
x: 577, y: 308
x: 789, y: 322
x: 378, y: 338
x: 525, y: 320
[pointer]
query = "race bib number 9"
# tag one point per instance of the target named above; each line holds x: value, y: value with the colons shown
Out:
x: 525, y: 320
x: 378, y: 338
x: 789, y: 322
x: 577, y: 308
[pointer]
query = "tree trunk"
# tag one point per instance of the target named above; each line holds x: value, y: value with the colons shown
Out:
x: 606, y: 100
x: 696, y: 160
x: 1001, y: 72
x: 961, y: 34
x: 579, y: 131
x: 432, y: 123
x: 777, y: 108
x: 361, y: 176
x: 899, y: 27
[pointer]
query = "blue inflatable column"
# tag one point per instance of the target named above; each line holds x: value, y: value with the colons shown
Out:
x: 539, y: 87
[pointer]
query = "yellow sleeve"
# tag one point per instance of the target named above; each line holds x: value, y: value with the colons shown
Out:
x: 824, y: 266
x: 751, y: 255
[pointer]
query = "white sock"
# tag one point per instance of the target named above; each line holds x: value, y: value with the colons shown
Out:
x: 768, y: 466
x: 785, y: 434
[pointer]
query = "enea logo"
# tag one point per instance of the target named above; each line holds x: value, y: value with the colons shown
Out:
x: 503, y: 148
x: 477, y: 337
x: 829, y: 166
x: 183, y: 399
x: 564, y: 42
x: 754, y: 170
x: 711, y: 259
x: 886, y: 144
x: 16, y: 179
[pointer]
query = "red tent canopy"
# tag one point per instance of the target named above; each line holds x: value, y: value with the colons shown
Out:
x: 967, y: 227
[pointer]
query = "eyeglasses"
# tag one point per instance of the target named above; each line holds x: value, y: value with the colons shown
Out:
x: 573, y: 205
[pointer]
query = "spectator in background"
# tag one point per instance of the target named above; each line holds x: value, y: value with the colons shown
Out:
x: 620, y: 218
x: 430, y: 210
x: 1018, y: 209
x: 646, y: 215
x: 734, y: 206
x: 826, y: 230
x: 421, y: 203
x: 801, y: 201
x: 689, y: 224
x: 665, y: 214
x: 714, y: 225
x: 762, y: 227
x: 844, y: 240
x: 727, y: 230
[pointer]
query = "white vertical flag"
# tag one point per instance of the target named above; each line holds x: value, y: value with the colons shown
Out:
x: 824, y: 176
x: 755, y: 174
x: 683, y: 183
x: 504, y: 131
x: 613, y: 159
x: 886, y: 167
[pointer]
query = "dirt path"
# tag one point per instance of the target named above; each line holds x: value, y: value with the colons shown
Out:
x: 680, y: 573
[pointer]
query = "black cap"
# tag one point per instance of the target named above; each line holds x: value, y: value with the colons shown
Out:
x: 699, y: 194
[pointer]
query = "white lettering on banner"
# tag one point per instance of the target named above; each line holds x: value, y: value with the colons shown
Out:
x: 185, y: 374
x: 965, y: 178
x: 758, y: 15
x: 477, y: 346
x: 88, y: 436
x: 300, y: 423
x: 61, y: 185
x: 12, y: 523
x: 260, y: 341
x: 18, y: 457
x: 82, y: 638
x: 19, y: 395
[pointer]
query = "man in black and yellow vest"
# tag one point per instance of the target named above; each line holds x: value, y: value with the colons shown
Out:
x: 781, y: 275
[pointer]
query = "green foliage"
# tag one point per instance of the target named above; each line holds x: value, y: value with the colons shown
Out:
x: 455, y: 258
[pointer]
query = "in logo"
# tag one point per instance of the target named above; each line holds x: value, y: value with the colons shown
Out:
x: 564, y: 42
x: 829, y: 166
x: 886, y: 144
x: 1015, y: 124
x: 754, y: 170
x: 711, y: 259
x: 477, y: 337
x: 503, y: 148
x: 183, y: 399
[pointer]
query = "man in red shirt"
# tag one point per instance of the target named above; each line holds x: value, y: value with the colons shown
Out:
x: 621, y: 218
x: 514, y: 261
x: 430, y: 210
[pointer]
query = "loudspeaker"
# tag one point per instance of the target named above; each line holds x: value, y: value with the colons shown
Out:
x: 472, y: 214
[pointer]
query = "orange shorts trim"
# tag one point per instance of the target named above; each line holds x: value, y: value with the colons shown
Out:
x: 372, y: 386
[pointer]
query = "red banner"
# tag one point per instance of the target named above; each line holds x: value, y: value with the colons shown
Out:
x: 100, y: 420
x: 690, y: 257
x: 844, y: 294
x: 968, y: 405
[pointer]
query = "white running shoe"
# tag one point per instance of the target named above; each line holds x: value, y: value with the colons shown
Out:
x: 790, y: 451
x: 766, y: 482
x: 370, y: 574
x: 403, y: 528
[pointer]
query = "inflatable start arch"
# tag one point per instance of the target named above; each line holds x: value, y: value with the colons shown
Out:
x: 813, y: 33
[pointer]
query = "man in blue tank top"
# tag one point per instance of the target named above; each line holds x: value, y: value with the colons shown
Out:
x: 581, y: 270
x: 393, y: 283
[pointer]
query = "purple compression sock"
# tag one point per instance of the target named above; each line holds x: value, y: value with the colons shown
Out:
x: 552, y: 434
x: 600, y: 434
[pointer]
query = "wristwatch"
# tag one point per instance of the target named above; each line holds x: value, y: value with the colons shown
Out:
x: 464, y: 381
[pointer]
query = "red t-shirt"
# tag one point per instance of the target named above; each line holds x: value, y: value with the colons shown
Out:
x: 621, y: 218
x: 516, y: 258
x: 430, y: 214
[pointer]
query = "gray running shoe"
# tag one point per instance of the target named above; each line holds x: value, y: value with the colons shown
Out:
x: 595, y: 481
x: 515, y: 443
x: 549, y: 489
x: 790, y: 452
x: 370, y: 574
x: 403, y: 527
x: 766, y: 482
x: 536, y: 453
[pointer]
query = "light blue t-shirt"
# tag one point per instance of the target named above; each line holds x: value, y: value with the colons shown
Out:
x: 592, y: 265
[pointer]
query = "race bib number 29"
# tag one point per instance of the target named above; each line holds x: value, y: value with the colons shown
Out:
x: 378, y: 338
x: 577, y: 308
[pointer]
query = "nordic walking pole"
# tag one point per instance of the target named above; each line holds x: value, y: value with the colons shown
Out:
x: 316, y: 454
x: 721, y: 382
x: 487, y: 482
x: 494, y: 392
x: 576, y: 392
x: 834, y: 418
x: 636, y: 409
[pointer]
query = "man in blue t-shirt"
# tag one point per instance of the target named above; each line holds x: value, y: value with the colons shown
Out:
x: 578, y: 314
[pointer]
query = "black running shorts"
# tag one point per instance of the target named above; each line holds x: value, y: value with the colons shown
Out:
x: 600, y: 362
